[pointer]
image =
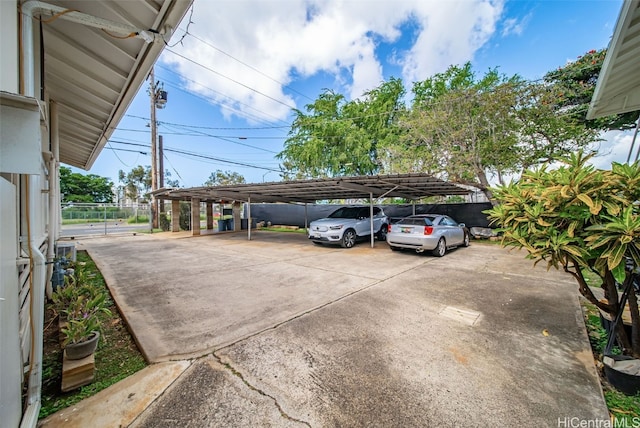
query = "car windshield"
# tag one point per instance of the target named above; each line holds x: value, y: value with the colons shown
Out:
x: 346, y: 212
x: 417, y: 221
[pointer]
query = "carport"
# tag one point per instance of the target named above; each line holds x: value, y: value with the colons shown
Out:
x: 411, y: 186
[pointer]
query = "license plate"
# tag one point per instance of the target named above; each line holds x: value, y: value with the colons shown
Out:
x: 316, y: 235
x: 405, y: 230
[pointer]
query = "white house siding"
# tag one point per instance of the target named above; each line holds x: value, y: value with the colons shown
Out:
x: 24, y: 214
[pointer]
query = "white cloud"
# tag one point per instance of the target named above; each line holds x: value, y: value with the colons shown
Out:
x: 515, y: 25
x: 614, y: 148
x: 288, y: 38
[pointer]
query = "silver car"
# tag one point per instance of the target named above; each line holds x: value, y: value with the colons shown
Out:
x: 346, y: 225
x: 427, y: 232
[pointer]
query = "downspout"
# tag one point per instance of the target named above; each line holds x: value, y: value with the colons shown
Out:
x: 54, y: 204
x: 30, y: 246
x: 633, y: 142
x: 37, y: 279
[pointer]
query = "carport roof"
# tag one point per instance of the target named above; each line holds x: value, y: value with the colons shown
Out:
x: 408, y: 186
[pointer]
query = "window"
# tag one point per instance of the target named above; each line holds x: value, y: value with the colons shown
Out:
x: 448, y: 221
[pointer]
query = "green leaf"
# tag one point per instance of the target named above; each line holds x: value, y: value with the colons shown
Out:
x: 615, y: 256
x: 619, y: 273
x: 586, y: 199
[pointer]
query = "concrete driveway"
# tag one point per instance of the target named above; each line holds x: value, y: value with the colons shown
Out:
x: 279, y: 332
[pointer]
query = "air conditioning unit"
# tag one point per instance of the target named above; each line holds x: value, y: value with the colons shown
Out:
x: 67, y: 250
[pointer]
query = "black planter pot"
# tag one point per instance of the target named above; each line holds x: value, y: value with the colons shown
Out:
x: 623, y: 382
x: 606, y: 324
x: 78, y: 351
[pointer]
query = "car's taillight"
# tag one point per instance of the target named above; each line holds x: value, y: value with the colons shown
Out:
x: 389, y: 229
x: 428, y: 230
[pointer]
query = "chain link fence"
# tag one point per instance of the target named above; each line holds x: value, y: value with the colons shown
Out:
x: 91, y: 219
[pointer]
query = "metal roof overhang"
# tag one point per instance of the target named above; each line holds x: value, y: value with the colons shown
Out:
x: 93, y: 75
x: 618, y: 87
x: 408, y: 186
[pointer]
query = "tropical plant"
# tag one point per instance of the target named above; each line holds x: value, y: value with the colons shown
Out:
x: 579, y: 218
x: 83, y: 318
x: 81, y: 303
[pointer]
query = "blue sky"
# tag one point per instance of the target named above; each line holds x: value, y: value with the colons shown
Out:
x: 244, y: 64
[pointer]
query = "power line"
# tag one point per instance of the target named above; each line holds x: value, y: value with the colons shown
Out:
x: 233, y: 128
x: 229, y: 78
x: 188, y: 153
x: 216, y: 102
x: 249, y: 66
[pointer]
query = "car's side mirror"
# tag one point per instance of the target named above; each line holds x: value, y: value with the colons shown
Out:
x: 461, y: 224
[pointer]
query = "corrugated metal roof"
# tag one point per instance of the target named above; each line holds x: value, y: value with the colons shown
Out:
x: 93, y: 75
x: 618, y: 87
x: 408, y: 186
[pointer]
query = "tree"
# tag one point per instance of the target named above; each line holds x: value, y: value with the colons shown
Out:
x: 89, y: 188
x: 575, y: 84
x: 168, y: 182
x: 581, y: 219
x: 465, y: 129
x: 137, y: 183
x: 340, y: 137
x: 223, y: 178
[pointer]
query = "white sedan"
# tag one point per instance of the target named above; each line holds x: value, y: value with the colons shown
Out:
x: 427, y: 232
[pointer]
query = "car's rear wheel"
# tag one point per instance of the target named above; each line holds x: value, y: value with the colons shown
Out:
x: 440, y: 249
x: 348, y: 239
x: 466, y: 240
x: 382, y: 233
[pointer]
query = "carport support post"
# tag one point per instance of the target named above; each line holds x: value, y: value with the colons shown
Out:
x: 209, y: 215
x: 236, y: 216
x: 371, y: 216
x: 195, y: 217
x: 249, y: 218
x: 175, y: 216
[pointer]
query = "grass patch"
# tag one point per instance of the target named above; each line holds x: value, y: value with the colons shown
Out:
x: 139, y: 219
x: 623, y: 407
x: 117, y: 356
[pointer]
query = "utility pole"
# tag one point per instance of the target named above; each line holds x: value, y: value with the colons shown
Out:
x: 161, y: 168
x: 154, y: 181
x: 158, y: 99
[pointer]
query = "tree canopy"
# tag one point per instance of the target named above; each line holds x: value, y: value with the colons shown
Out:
x: 340, y: 137
x: 137, y: 183
x: 576, y: 83
x: 89, y: 188
x: 461, y: 127
x: 222, y: 178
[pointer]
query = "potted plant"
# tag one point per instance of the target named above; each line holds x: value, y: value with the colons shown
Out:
x: 581, y: 219
x: 80, y: 305
x: 82, y: 329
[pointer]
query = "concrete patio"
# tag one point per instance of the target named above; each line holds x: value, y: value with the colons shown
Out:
x: 279, y: 332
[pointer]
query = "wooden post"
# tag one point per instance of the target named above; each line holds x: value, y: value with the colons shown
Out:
x: 175, y: 216
x: 209, y: 215
x: 195, y: 217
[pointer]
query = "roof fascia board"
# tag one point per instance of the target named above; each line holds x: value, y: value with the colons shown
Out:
x: 597, y: 107
x: 172, y: 11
